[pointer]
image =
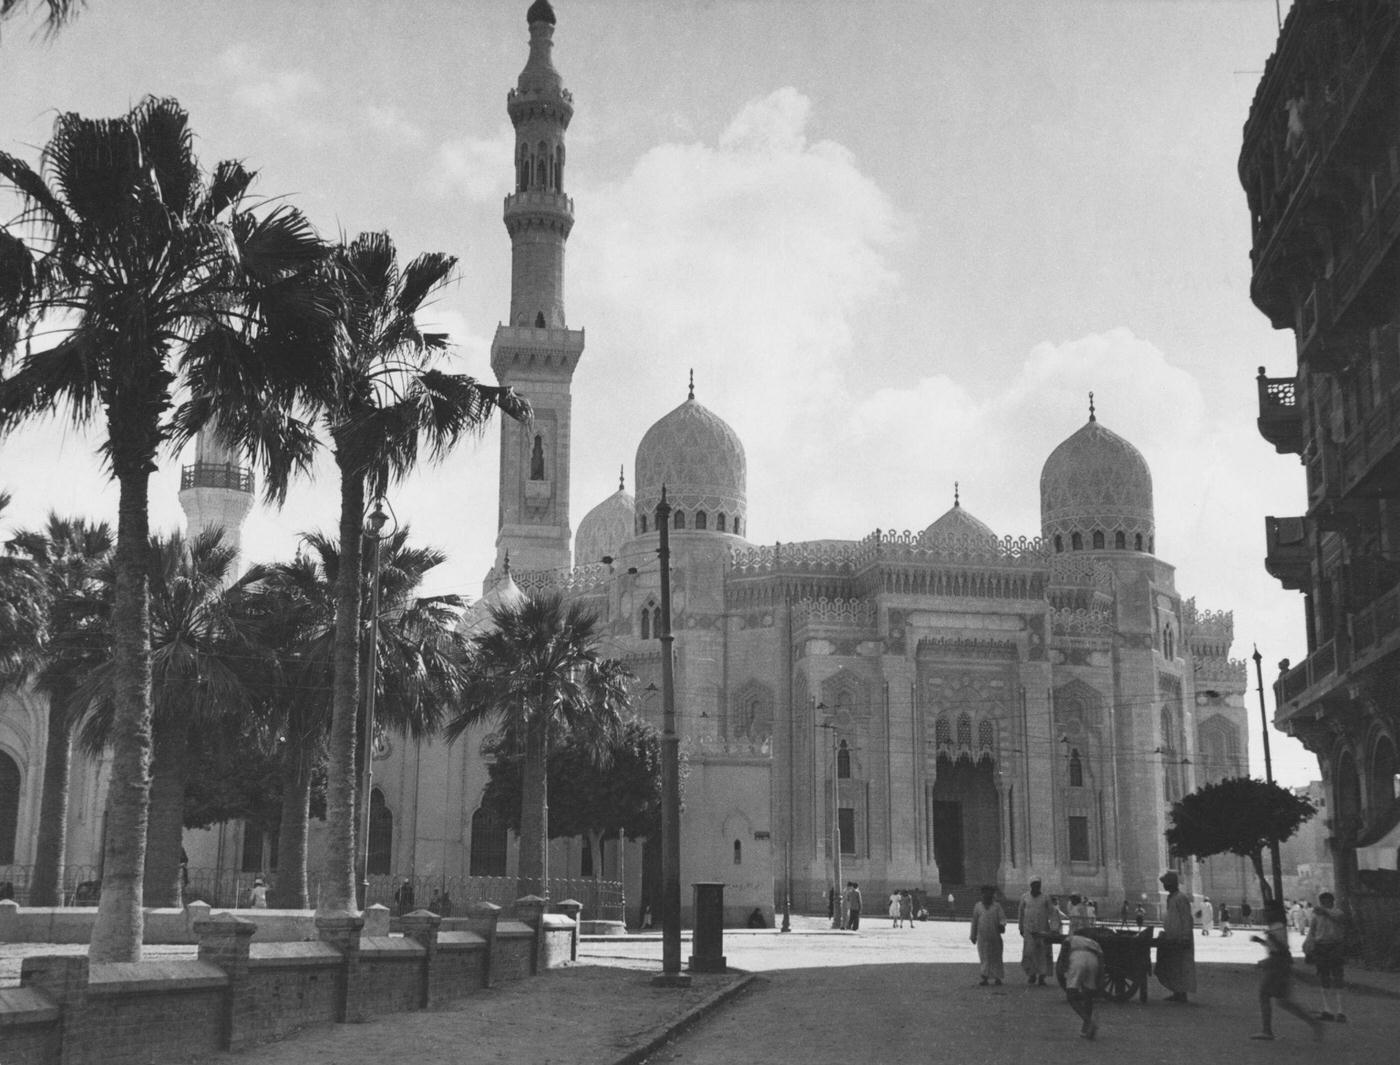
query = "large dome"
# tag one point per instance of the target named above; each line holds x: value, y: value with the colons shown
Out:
x: 958, y: 528
x: 605, y: 528
x: 1096, y: 493
x: 694, y: 453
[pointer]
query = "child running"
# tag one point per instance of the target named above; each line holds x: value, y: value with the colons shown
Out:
x: 1276, y: 975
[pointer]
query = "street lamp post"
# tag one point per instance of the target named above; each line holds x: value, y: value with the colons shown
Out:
x: 838, y: 919
x: 1274, y: 857
x: 374, y: 529
x: 671, y: 974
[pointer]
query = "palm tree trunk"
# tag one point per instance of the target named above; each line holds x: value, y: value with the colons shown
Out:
x: 338, y: 883
x: 290, y: 892
x: 533, y: 872
x: 50, y: 850
x: 166, y: 821
x: 116, y: 934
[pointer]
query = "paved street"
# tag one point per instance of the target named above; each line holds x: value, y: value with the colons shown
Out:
x: 874, y: 997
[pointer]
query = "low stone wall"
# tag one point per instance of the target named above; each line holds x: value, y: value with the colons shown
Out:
x: 239, y: 994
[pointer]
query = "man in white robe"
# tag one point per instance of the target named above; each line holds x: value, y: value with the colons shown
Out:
x: 1176, y: 947
x: 1036, y: 925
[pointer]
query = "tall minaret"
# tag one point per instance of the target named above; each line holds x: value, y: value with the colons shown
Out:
x: 535, y: 351
x: 217, y: 491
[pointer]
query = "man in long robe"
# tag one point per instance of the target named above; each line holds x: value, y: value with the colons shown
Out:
x: 1036, y: 924
x: 988, y: 924
x: 1176, y: 947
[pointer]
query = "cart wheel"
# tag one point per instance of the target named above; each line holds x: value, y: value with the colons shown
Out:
x: 1120, y: 986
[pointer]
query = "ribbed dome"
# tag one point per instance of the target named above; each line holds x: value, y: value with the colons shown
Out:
x: 1097, y: 482
x: 957, y: 526
x: 605, y: 528
x: 701, y: 462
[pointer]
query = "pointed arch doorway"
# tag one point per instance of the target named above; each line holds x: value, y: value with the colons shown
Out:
x: 964, y: 822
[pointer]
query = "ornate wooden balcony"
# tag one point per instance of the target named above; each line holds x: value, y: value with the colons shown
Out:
x: 1290, y: 551
x: 217, y: 475
x: 1280, y: 417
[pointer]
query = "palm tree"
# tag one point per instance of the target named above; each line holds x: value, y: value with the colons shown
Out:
x: 384, y: 403
x: 57, y: 15
x: 124, y: 254
x: 23, y: 614
x: 199, y: 665
x: 68, y: 554
x: 421, y: 675
x: 537, y: 675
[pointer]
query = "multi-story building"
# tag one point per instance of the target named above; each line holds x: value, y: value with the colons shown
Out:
x: 1320, y: 166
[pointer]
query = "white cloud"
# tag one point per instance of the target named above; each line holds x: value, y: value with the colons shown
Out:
x: 390, y: 119
x: 282, y: 96
x: 478, y: 168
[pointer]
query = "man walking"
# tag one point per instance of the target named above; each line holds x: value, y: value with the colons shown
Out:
x: 1034, y: 923
x: 1176, y: 947
x: 988, y: 924
x: 852, y: 905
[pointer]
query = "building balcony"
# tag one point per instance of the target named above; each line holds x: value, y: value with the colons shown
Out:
x: 1375, y: 629
x: 1280, y: 417
x: 539, y: 200
x: 1292, y: 688
x: 1290, y: 551
x: 217, y: 475
x: 1369, y: 458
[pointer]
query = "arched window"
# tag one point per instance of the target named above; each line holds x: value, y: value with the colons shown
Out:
x: 701, y: 521
x: 522, y: 169
x: 559, y: 169
x: 1098, y: 540
x: 736, y: 525
x: 738, y: 853
x: 943, y: 732
x: 986, y: 735
x: 656, y: 623
x: 843, y: 762
x: 537, y: 456
x: 1059, y: 544
x: 1120, y: 540
x: 585, y: 858
x: 1076, y: 769
x: 1076, y: 542
x: 1383, y: 776
x: 488, y: 854
x: 539, y: 320
x: 381, y: 836
x: 646, y: 623
x: 678, y: 520
x: 542, y: 167
x: 9, y: 808
x: 1168, y: 642
x: 964, y: 731
x: 1137, y: 541
x: 644, y: 523
x: 719, y: 522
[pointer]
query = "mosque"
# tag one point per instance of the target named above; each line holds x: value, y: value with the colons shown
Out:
x: 953, y: 706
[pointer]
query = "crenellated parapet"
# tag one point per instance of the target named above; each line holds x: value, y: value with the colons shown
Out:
x: 569, y: 581
x: 857, y: 613
x: 1209, y: 633
x: 1081, y: 621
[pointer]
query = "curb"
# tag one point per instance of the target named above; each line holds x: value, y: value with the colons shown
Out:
x: 708, y: 1006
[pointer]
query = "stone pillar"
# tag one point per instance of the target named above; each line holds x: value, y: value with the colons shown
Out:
x: 482, y: 918
x: 707, y: 940
x: 224, y: 941
x: 422, y: 926
x: 530, y: 910
x: 376, y: 920
x: 9, y: 922
x: 342, y: 931
x: 64, y: 979
x: 571, y: 908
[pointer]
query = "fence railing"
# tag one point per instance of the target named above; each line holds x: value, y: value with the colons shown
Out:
x: 225, y: 888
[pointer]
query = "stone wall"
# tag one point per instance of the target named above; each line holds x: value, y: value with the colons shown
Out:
x: 238, y: 994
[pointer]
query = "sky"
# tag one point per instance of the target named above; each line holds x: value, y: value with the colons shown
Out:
x: 898, y: 242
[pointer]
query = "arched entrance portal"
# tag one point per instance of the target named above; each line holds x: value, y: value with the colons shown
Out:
x: 965, y: 823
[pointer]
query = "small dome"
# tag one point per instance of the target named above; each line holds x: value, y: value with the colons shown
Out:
x: 605, y: 528
x: 1097, y: 483
x: 502, y: 592
x: 700, y: 460
x: 958, y: 527
x: 540, y: 11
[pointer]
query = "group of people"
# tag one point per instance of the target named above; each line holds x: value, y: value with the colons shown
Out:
x: 902, y: 908
x: 1081, y: 966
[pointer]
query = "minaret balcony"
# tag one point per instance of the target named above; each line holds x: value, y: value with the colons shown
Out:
x: 1289, y: 552
x: 217, y: 475
x: 541, y: 200
x: 1280, y: 417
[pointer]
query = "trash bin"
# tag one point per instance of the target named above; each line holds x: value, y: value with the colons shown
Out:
x: 707, y: 939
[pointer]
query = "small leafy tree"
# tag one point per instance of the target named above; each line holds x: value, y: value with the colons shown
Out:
x: 593, y: 793
x: 1237, y: 815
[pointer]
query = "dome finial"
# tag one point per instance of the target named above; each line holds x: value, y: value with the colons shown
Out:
x: 1091, y: 408
x: 622, y: 477
x: 957, y: 502
x: 692, y: 384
